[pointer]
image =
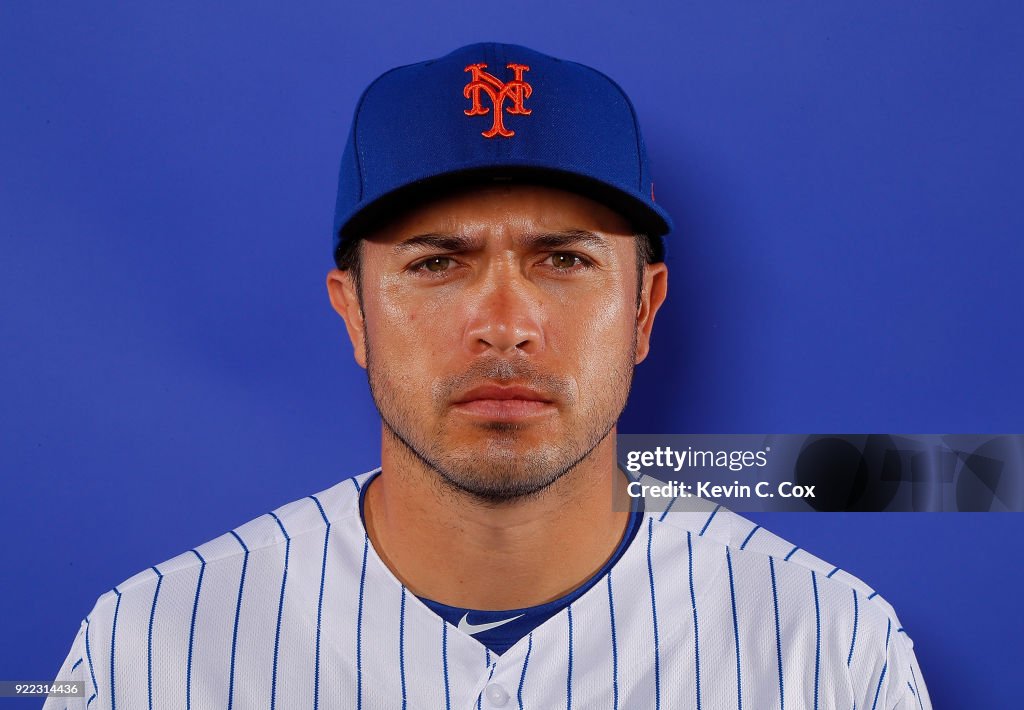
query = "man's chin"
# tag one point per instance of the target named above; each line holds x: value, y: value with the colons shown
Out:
x: 495, y: 472
x: 497, y: 484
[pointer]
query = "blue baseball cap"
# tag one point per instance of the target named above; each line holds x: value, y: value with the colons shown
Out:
x: 494, y: 111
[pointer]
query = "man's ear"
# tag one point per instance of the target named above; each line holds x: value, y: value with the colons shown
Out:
x: 344, y: 296
x: 652, y: 295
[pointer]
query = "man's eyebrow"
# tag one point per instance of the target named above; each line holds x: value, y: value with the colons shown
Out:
x: 541, y: 240
x: 567, y: 238
x: 440, y: 242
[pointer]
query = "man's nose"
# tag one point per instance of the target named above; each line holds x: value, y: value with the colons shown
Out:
x: 506, y: 315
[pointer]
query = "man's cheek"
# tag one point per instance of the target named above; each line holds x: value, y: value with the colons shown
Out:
x: 423, y: 350
x: 608, y: 338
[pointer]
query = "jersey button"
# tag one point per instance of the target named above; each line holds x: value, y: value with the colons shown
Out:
x: 496, y: 695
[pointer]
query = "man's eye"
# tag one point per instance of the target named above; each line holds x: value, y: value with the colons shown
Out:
x: 564, y: 262
x: 436, y: 264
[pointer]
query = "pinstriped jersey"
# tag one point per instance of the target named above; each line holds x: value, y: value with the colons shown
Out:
x: 295, y: 609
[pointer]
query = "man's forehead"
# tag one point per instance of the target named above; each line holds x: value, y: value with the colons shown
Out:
x: 511, y: 211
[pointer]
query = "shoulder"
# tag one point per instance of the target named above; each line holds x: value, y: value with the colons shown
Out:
x: 225, y: 556
x: 192, y: 601
x: 750, y: 543
x: 767, y: 585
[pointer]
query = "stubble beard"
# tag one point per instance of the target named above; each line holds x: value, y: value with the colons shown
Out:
x: 496, y: 468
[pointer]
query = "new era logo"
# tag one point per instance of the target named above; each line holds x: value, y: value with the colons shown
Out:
x: 515, y: 90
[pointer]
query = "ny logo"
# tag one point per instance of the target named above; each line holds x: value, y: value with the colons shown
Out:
x: 516, y: 89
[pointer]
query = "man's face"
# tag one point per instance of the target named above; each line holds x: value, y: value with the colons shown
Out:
x: 499, y: 327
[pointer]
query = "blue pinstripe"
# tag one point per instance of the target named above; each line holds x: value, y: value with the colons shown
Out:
x: 113, y: 637
x: 710, y: 518
x: 668, y: 508
x: 654, y: 616
x: 872, y: 595
x: 853, y: 640
x: 817, y: 638
x: 834, y: 570
x: 792, y: 552
x: 280, y: 611
x: 149, y: 639
x: 444, y: 661
x: 77, y: 664
x: 401, y: 649
x: 736, y: 631
x: 355, y: 483
x: 615, y: 649
x: 522, y: 676
x: 238, y: 612
x: 487, y: 660
x: 885, y: 666
x: 778, y: 633
x: 359, y: 628
x: 192, y: 631
x: 568, y: 676
x: 749, y: 535
x: 917, y: 695
x: 88, y: 658
x: 320, y: 605
x: 693, y: 602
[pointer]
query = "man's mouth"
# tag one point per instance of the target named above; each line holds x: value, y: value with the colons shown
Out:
x: 504, y: 402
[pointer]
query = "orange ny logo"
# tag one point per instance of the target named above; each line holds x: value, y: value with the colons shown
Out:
x: 516, y: 89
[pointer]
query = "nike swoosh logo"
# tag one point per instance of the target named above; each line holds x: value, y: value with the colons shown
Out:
x: 468, y: 628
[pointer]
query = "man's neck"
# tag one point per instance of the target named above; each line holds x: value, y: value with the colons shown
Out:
x: 448, y: 546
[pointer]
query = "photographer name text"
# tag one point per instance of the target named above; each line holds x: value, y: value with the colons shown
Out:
x: 708, y: 489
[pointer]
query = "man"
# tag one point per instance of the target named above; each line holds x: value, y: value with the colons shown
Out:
x: 499, y: 276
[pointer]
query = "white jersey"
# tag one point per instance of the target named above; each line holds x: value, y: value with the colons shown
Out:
x: 295, y: 610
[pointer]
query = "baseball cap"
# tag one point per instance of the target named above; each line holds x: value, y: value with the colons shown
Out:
x: 494, y: 111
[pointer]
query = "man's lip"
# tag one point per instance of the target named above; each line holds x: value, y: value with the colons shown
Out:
x: 498, y: 392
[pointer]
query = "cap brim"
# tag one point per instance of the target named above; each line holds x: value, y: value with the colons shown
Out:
x: 646, y: 218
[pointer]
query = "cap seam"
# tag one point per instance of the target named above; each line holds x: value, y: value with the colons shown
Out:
x: 355, y: 123
x: 632, y: 113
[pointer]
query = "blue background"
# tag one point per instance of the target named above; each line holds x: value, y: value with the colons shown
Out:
x: 846, y: 184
